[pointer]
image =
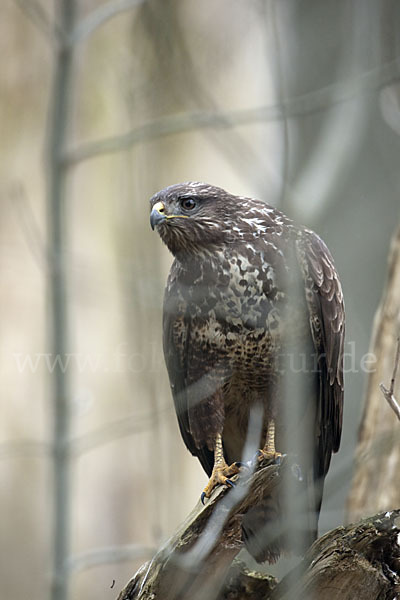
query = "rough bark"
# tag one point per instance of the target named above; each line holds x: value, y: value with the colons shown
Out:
x: 195, y: 561
x: 361, y: 560
x: 357, y: 561
x: 375, y: 485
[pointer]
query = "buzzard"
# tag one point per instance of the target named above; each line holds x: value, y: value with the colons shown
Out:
x: 251, y: 301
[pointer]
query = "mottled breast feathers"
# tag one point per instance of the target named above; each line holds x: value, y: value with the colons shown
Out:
x: 226, y: 314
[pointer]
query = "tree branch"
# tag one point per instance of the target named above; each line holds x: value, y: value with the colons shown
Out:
x: 100, y: 16
x: 195, y: 561
x: 107, y: 555
x: 389, y: 393
x: 38, y: 16
x: 56, y: 197
x: 198, y: 562
x: 299, y: 105
x: 361, y: 560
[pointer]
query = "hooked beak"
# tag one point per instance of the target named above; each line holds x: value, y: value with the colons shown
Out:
x: 157, y: 214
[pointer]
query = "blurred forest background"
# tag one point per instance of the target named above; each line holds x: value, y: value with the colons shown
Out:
x: 102, y: 104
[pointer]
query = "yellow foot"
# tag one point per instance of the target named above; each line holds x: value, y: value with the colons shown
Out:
x: 220, y: 476
x: 270, y: 456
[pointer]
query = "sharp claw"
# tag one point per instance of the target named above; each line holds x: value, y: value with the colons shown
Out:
x: 230, y: 483
x: 203, y: 495
x: 278, y: 460
x: 240, y: 464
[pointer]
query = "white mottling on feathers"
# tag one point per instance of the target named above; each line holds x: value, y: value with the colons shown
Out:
x: 256, y: 223
x: 251, y: 247
x: 245, y: 264
x: 219, y: 254
x: 196, y: 184
x: 256, y: 210
x: 208, y: 224
x: 235, y: 271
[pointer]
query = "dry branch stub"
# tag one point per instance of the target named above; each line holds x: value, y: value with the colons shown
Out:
x: 198, y: 562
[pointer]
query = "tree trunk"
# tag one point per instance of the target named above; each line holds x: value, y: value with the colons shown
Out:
x: 357, y: 561
x: 376, y: 484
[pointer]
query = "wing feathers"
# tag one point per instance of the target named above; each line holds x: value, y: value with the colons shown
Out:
x: 176, y: 343
x: 326, y: 310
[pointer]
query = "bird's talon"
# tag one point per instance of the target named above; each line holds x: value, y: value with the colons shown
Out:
x: 272, y: 457
x: 220, y: 476
x: 203, y: 495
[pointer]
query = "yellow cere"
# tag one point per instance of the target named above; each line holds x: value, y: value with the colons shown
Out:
x: 159, y: 207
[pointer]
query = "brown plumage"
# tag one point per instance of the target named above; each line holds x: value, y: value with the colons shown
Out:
x: 248, y: 295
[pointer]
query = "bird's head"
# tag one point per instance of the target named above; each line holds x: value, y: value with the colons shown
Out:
x: 192, y: 217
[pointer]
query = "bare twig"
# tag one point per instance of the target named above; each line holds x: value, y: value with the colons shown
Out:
x: 60, y: 106
x: 39, y: 17
x: 108, y: 555
x: 28, y: 223
x: 25, y: 448
x: 115, y: 430
x: 180, y: 123
x: 100, y: 16
x: 79, y: 445
x: 389, y: 393
x: 279, y: 82
x: 164, y: 126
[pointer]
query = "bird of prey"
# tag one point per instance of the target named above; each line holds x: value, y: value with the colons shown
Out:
x: 251, y: 299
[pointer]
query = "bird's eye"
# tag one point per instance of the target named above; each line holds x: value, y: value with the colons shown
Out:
x: 188, y: 203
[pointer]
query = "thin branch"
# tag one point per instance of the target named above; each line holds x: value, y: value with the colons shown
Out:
x: 159, y: 128
x: 86, y: 442
x: 56, y: 196
x: 396, y: 364
x: 39, y: 17
x: 321, y: 99
x: 100, y: 16
x: 25, y: 449
x: 279, y: 82
x: 28, y: 223
x: 389, y: 393
x: 108, y: 555
x: 112, y: 431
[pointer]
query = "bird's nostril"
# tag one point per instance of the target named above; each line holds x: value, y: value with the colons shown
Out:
x: 161, y: 209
